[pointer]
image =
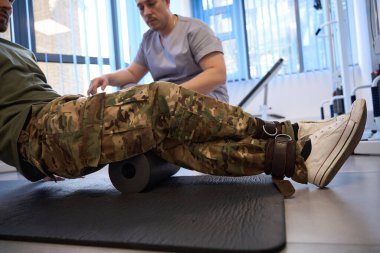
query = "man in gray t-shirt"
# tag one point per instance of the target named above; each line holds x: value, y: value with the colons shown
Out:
x: 175, y: 49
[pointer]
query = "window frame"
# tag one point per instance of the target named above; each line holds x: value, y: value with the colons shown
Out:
x: 23, y: 17
x: 202, y: 14
x: 237, y: 18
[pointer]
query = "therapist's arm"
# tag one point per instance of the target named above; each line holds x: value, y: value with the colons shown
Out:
x: 213, y: 74
x: 132, y: 74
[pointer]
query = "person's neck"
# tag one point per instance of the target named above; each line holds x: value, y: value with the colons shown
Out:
x: 169, y: 28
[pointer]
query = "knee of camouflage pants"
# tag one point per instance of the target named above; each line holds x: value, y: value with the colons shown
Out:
x: 188, y: 116
x: 63, y: 136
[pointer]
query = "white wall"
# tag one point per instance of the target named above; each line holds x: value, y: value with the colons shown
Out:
x: 296, y: 97
x: 292, y: 96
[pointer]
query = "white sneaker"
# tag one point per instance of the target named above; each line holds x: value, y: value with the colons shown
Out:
x: 308, y: 127
x: 333, y: 143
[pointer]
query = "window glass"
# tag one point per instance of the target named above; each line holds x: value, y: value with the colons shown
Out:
x: 221, y: 23
x: 314, y: 48
x: 275, y: 29
x: 231, y: 58
x: 210, y: 4
x: 348, y: 10
x: 68, y: 78
x: 71, y: 27
x: 123, y: 30
x: 271, y: 34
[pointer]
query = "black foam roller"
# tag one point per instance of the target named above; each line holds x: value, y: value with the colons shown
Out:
x: 140, y: 173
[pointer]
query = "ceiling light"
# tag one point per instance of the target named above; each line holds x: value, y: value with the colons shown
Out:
x: 50, y: 27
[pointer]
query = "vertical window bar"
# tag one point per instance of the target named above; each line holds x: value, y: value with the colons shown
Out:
x: 326, y: 43
x: 113, y: 40
x: 236, y: 15
x: 263, y: 53
x: 120, y: 43
x: 133, y: 27
x: 320, y: 47
x: 20, y: 23
x: 256, y: 38
x: 28, y: 25
x: 211, y: 10
x: 255, y: 49
x: 299, y: 37
x: 87, y: 58
x: 100, y: 58
x: 59, y: 45
x: 245, y: 42
x: 46, y: 59
x: 272, y: 45
x: 312, y: 38
x: 75, y: 65
x: 12, y: 30
x: 309, y: 32
x: 289, y: 39
x: 278, y: 32
x: 31, y: 33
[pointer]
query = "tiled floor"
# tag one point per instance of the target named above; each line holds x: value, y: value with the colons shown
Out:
x: 345, y: 217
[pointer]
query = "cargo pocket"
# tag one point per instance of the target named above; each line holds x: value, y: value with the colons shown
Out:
x: 127, y: 126
x: 63, y: 115
x: 190, y: 127
x: 70, y: 134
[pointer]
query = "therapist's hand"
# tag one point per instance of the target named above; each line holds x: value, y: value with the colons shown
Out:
x: 101, y: 81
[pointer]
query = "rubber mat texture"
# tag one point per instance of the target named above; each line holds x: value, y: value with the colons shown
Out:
x: 182, y: 214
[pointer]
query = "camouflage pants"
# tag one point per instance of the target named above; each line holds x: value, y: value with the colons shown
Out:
x: 73, y: 135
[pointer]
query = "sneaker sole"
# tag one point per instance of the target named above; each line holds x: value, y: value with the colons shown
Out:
x: 346, y: 145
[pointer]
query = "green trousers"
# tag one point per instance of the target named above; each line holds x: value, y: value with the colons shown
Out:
x: 73, y: 135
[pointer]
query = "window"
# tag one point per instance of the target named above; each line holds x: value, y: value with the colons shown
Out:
x: 271, y: 34
x: 67, y: 79
x: 75, y: 40
x: 273, y: 29
x: 314, y: 49
x: 64, y: 25
x: 225, y: 19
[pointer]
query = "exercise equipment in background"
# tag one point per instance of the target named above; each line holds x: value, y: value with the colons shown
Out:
x: 336, y: 36
x: 370, y: 143
x: 263, y: 84
x: 335, y: 103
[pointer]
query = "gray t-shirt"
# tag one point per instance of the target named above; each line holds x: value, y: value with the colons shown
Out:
x: 177, y: 58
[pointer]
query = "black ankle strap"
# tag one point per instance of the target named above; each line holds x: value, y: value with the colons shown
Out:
x: 280, y: 161
x: 280, y: 156
x: 267, y: 129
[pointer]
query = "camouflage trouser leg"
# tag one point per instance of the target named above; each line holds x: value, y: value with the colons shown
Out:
x: 63, y: 137
x: 72, y: 136
x: 183, y: 127
x: 200, y: 133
